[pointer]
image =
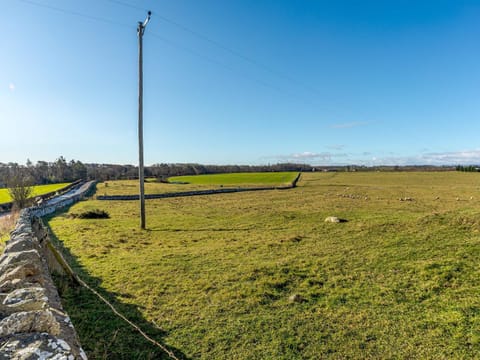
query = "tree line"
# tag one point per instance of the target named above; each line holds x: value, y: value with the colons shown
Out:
x: 43, y: 172
x: 470, y: 168
x: 61, y: 170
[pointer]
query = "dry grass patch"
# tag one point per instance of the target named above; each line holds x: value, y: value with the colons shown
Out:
x: 7, y: 224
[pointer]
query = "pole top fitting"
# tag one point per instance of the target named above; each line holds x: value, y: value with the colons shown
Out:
x: 147, y: 19
x: 141, y: 26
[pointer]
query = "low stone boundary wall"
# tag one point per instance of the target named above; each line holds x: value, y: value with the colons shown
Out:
x: 294, y: 182
x: 5, y: 207
x: 62, y: 201
x: 33, y: 324
x: 197, y: 192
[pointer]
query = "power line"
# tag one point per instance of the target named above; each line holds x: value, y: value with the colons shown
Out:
x: 193, y: 52
x: 76, y: 13
x: 222, y: 46
x: 212, y: 60
x: 230, y: 68
x: 172, y: 43
x: 129, y: 5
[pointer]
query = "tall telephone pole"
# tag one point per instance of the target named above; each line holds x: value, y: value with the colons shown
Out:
x: 140, y: 31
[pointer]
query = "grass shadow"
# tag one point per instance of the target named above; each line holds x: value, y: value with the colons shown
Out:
x: 103, y: 334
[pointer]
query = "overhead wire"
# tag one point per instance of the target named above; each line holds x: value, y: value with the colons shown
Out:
x: 174, y: 44
x: 218, y: 45
x: 221, y: 46
x: 230, y: 68
x: 123, y: 3
x: 212, y: 60
x: 75, y: 13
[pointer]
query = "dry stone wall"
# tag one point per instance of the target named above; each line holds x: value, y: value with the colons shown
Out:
x: 6, y: 207
x: 198, y: 192
x: 33, y: 324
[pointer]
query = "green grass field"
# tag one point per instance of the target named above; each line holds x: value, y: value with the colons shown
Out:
x: 131, y: 187
x: 37, y: 190
x: 239, y: 179
x: 199, y: 182
x: 211, y: 277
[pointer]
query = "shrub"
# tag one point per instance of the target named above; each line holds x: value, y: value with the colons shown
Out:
x: 92, y: 214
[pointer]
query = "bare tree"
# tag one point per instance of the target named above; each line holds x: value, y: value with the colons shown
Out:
x: 19, y: 184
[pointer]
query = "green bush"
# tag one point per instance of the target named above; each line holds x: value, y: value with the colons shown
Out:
x: 92, y: 214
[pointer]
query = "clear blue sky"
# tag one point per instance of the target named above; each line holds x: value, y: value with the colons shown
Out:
x: 242, y: 81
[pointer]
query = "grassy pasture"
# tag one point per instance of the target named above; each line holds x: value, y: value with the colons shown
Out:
x: 239, y: 179
x: 37, y: 190
x: 198, y: 182
x: 212, y: 276
x: 131, y: 187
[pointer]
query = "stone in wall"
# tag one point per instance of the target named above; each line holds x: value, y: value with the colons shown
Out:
x: 33, y: 324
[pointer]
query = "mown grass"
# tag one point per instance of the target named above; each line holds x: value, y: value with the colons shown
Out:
x: 238, y: 179
x: 212, y: 275
x: 37, y: 190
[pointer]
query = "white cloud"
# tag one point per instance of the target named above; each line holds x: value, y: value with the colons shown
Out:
x: 319, y: 156
x: 465, y: 157
x: 308, y: 156
x: 452, y: 158
x: 11, y: 87
x: 305, y: 155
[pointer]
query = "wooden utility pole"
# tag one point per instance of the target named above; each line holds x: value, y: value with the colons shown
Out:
x: 140, y: 31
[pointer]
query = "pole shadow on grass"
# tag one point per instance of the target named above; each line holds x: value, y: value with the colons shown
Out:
x: 103, y: 334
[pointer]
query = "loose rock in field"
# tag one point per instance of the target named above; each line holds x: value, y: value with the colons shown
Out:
x: 334, y: 219
x: 296, y: 298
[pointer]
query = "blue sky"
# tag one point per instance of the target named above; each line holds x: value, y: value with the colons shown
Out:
x: 242, y: 81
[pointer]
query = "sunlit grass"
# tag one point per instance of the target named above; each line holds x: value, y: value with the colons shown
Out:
x: 197, y: 182
x: 262, y: 178
x: 215, y: 273
x: 37, y: 190
x: 7, y: 224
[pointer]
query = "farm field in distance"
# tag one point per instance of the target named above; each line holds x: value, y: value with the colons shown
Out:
x: 239, y: 179
x: 37, y: 190
x: 213, y: 277
x: 198, y: 182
